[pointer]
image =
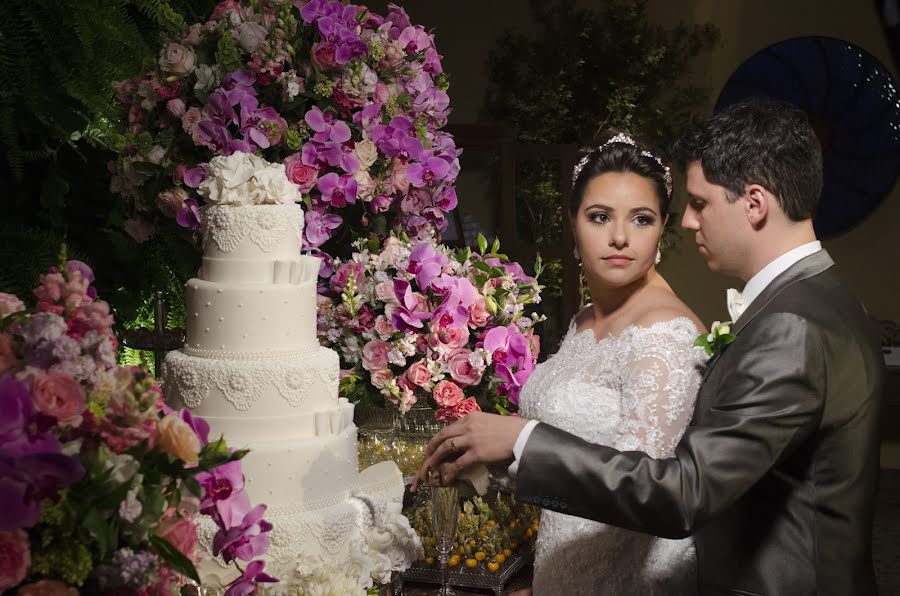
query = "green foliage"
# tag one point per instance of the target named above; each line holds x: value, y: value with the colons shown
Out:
x: 585, y: 70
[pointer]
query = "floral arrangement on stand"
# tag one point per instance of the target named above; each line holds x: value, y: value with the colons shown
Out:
x: 101, y: 482
x: 414, y: 320
x: 352, y: 103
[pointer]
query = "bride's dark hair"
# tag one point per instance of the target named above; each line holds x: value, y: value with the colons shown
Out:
x: 617, y: 151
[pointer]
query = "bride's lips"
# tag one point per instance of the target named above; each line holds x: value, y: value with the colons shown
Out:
x: 618, y: 260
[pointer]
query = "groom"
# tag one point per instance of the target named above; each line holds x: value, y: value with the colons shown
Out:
x: 776, y: 475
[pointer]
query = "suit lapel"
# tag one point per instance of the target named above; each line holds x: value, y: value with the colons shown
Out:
x: 803, y: 269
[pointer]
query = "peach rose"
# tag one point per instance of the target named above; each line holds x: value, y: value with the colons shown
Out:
x: 381, y: 377
x: 47, y: 587
x: 462, y: 370
x: 383, y: 327
x: 7, y: 356
x: 59, y: 396
x: 448, y: 394
x: 175, y: 437
x: 418, y: 374
x: 181, y: 533
x: 398, y: 177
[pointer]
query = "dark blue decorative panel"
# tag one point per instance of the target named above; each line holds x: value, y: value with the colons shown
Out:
x: 854, y: 105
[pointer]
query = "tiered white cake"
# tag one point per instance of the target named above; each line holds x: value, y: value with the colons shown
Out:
x: 252, y: 367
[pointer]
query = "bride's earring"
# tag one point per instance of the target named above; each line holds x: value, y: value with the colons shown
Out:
x: 658, y: 255
x: 576, y: 254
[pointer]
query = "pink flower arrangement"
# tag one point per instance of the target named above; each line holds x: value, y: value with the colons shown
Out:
x: 351, y: 102
x: 414, y: 320
x: 101, y: 482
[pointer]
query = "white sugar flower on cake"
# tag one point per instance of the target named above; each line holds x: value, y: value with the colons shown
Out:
x: 246, y: 179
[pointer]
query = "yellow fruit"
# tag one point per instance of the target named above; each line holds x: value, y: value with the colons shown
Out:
x: 471, y: 542
x: 493, y: 566
x: 471, y: 562
x: 506, y: 552
x: 454, y: 561
x: 429, y: 560
x: 482, y: 533
x: 529, y: 532
x: 490, y: 523
x: 481, y: 555
x: 460, y: 549
x: 500, y: 558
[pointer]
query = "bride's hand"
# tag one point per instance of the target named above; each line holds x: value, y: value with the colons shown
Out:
x: 477, y: 438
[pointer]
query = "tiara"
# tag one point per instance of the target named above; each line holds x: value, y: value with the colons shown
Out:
x: 624, y: 139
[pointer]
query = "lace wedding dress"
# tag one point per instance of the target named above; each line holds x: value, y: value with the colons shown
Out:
x: 635, y: 392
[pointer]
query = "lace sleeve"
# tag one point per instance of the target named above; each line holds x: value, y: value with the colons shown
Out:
x: 660, y: 378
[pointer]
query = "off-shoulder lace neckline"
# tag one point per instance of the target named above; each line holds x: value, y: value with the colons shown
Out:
x: 632, y: 329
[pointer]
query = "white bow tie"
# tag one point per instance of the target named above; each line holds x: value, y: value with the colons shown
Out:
x: 735, y: 304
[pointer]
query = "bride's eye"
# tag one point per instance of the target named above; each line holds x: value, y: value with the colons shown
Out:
x: 598, y: 217
x: 644, y: 220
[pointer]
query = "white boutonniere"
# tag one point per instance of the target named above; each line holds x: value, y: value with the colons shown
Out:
x: 718, y: 337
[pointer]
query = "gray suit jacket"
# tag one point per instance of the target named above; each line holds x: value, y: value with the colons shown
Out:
x: 776, y: 475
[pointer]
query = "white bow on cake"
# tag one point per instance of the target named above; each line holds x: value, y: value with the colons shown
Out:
x: 735, y: 302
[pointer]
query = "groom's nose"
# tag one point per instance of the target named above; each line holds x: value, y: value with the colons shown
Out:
x: 689, y: 220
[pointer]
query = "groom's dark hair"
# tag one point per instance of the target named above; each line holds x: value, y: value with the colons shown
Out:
x: 758, y: 141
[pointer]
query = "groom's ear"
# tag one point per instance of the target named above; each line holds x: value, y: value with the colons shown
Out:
x: 757, y: 204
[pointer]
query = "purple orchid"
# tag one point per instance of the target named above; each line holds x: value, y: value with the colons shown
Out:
x: 434, y: 103
x: 412, y: 310
x: 426, y: 264
x: 189, y: 217
x: 329, y: 153
x: 195, y: 176
x: 459, y: 295
x: 447, y: 200
x: 508, y: 347
x: 246, y: 584
x: 429, y: 169
x: 82, y: 268
x: 220, y: 109
x: 326, y: 126
x: 264, y: 127
x: 338, y: 190
x: 243, y: 533
x: 368, y: 117
x: 219, y: 484
x: 237, y: 85
x: 514, y: 269
x: 32, y: 467
x: 198, y: 425
x: 414, y: 39
x: 316, y: 9
x: 318, y: 227
x: 397, y: 15
x: 398, y: 137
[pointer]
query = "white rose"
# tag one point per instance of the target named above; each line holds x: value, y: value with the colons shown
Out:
x: 250, y: 36
x: 156, y: 154
x: 207, y: 78
x: 365, y: 186
x: 177, y: 59
x: 271, y: 186
x: 366, y: 152
x: 228, y: 179
x: 123, y: 467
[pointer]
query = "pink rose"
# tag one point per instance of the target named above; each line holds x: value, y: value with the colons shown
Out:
x: 15, y: 557
x: 190, y: 119
x: 175, y: 437
x: 385, y: 292
x: 300, y: 174
x: 47, y: 587
x: 323, y: 55
x: 418, y: 374
x: 478, y: 313
x: 460, y: 410
x: 381, y: 377
x: 448, y: 338
x: 10, y: 303
x: 407, y: 400
x: 172, y: 201
x: 383, y: 327
x: 181, y: 533
x: 462, y: 370
x: 59, y: 396
x: 382, y: 95
x: 176, y: 107
x: 375, y: 355
x: 177, y: 59
x: 448, y: 394
x: 398, y: 177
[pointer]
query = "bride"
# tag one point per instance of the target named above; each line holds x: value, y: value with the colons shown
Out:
x: 626, y: 374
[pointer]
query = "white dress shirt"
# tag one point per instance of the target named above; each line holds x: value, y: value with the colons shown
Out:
x: 754, y: 288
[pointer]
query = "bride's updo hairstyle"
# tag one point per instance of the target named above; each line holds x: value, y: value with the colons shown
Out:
x: 616, y: 151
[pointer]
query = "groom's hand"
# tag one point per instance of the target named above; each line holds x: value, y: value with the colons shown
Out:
x: 477, y: 438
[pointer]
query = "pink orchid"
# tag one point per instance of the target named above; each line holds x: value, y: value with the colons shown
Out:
x: 426, y: 264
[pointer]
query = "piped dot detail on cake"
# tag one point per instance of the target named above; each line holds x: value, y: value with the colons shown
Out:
x: 209, y: 304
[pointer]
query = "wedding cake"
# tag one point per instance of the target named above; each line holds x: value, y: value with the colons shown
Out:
x: 252, y: 367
